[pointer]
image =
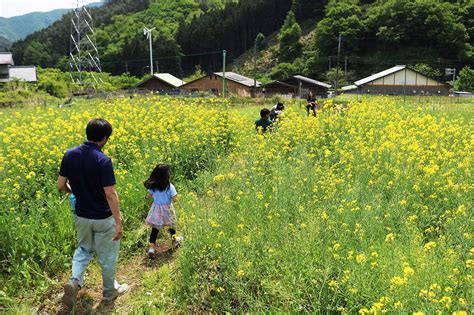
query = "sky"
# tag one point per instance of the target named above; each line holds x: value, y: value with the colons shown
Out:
x: 9, y: 8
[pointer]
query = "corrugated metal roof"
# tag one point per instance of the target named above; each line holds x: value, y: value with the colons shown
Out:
x: 279, y: 82
x: 349, y: 87
x: 238, y: 78
x: 379, y: 75
x: 170, y: 79
x: 26, y: 73
x: 6, y: 58
x: 308, y: 80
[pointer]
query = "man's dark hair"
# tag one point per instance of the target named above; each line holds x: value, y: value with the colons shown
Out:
x: 264, y: 112
x: 97, y: 129
x: 280, y: 106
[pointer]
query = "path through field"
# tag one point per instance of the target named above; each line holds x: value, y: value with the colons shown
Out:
x: 132, y: 270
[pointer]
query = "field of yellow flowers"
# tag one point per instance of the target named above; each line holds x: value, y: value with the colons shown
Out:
x: 366, y: 208
x: 37, y: 234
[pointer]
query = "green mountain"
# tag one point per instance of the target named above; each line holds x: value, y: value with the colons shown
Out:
x: 18, y: 27
x: 4, y: 44
x: 297, y: 36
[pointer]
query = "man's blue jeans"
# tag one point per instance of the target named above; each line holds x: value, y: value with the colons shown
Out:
x: 96, y: 236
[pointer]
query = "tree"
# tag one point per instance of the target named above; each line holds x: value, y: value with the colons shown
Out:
x: 343, y: 18
x: 260, y: 42
x: 332, y: 76
x: 53, y: 81
x: 465, y: 80
x: 198, y: 73
x: 425, y: 69
x: 426, y: 23
x: 285, y: 70
x: 305, y: 9
x: 289, y: 37
x: 36, y: 54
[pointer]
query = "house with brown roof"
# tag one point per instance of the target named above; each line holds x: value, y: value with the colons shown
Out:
x: 296, y: 86
x: 236, y: 84
x: 160, y: 82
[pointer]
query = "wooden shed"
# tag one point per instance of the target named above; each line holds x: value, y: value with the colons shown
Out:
x: 160, y: 82
x: 295, y: 86
x: 236, y: 84
x: 399, y: 80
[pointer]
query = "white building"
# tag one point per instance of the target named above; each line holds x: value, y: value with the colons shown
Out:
x: 8, y: 71
x: 398, y: 80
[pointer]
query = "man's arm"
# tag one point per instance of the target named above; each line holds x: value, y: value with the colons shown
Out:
x: 63, y: 184
x: 113, y: 201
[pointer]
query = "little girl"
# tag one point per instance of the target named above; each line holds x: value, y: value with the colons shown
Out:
x: 161, y: 212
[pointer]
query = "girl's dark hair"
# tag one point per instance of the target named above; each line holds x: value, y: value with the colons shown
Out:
x: 159, y: 178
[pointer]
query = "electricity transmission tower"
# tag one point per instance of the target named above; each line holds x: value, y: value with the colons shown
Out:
x: 83, y: 54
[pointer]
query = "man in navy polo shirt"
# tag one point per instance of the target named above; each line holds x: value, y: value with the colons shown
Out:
x: 88, y: 173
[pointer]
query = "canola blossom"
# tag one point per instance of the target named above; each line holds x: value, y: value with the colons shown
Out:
x: 355, y: 211
x: 38, y: 234
x: 365, y: 209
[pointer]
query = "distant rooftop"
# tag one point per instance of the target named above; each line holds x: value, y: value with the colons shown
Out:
x: 379, y: 75
x: 26, y: 73
x: 349, y: 87
x: 169, y: 78
x: 238, y: 78
x: 166, y: 78
x: 312, y: 81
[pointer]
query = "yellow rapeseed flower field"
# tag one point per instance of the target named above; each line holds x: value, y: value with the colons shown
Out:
x: 366, y: 208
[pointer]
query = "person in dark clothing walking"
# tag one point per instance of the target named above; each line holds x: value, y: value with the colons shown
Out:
x: 311, y: 104
x: 88, y: 173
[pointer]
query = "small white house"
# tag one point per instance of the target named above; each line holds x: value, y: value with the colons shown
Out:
x: 8, y: 71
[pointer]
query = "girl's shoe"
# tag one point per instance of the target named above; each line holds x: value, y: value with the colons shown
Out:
x: 177, y: 241
x: 151, y: 252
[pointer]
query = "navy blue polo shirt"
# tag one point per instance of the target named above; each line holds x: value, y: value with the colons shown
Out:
x: 89, y: 170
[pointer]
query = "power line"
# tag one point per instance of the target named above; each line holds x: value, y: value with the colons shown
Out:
x: 165, y: 57
x: 366, y: 60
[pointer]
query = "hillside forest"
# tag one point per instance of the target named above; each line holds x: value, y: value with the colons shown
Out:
x: 294, y: 36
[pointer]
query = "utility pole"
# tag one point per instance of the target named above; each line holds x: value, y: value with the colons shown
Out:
x: 338, y: 56
x: 255, y: 68
x: 454, y: 77
x: 223, y: 72
x: 405, y: 87
x: 299, y: 90
x: 345, y: 67
x: 147, y: 32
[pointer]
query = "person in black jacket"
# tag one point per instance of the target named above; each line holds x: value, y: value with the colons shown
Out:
x: 311, y: 103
